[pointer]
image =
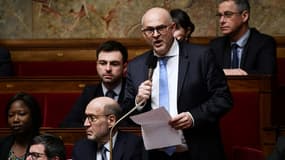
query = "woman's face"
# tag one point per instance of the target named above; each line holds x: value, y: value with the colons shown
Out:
x: 19, y: 117
x: 180, y: 33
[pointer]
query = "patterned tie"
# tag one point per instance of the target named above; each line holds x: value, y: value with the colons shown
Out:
x: 111, y: 94
x: 164, y: 94
x: 235, y: 60
x: 103, y: 153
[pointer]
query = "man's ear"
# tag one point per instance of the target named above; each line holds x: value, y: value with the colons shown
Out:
x: 245, y: 16
x: 125, y: 67
x: 112, y: 120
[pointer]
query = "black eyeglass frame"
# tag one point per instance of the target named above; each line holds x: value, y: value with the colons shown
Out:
x: 35, y: 155
x: 161, y: 29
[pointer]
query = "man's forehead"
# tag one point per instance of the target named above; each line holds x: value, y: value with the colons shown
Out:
x: 37, y: 148
x: 156, y: 16
x: 116, y: 55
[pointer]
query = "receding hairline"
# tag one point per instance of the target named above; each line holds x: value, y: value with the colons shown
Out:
x: 163, y: 12
x: 105, y: 103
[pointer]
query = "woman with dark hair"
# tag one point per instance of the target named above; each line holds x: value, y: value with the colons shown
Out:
x: 184, y: 26
x: 24, y: 119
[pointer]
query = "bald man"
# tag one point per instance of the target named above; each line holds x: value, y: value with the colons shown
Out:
x: 101, y: 115
x: 196, y: 90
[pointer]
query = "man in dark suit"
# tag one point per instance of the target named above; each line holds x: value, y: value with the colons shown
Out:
x: 6, y: 67
x: 255, y: 52
x: 101, y: 115
x: 112, y: 59
x: 197, y: 90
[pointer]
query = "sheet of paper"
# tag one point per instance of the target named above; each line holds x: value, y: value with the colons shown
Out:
x: 156, y: 131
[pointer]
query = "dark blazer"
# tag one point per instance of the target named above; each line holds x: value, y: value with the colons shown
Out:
x: 258, y: 57
x: 202, y: 91
x: 127, y: 147
x: 6, y: 66
x: 75, y: 118
x: 5, y: 146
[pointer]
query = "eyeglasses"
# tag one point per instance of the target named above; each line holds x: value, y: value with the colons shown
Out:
x: 227, y: 14
x: 35, y: 155
x: 94, y: 118
x: 149, y: 31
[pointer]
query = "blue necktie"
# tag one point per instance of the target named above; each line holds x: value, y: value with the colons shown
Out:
x: 103, y: 153
x: 163, y: 84
x: 235, y: 60
x: 164, y: 94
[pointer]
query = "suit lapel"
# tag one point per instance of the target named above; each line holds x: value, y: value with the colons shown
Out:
x: 184, y: 61
x: 119, y: 147
x: 226, y: 48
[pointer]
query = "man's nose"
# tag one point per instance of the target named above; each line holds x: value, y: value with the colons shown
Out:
x: 86, y: 123
x: 108, y: 67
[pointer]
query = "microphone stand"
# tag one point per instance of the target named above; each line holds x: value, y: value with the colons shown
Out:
x: 118, y: 121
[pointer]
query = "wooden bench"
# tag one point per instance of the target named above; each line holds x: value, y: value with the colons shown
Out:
x: 55, y: 95
x: 244, y: 125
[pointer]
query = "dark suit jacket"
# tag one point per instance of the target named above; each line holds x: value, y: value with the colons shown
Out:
x: 127, y: 147
x: 76, y: 116
x: 258, y: 57
x: 202, y: 91
x: 6, y: 67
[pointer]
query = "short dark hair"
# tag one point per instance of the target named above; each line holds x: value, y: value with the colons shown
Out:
x: 33, y: 106
x: 113, y: 46
x: 182, y: 18
x: 53, y: 145
x: 241, y: 4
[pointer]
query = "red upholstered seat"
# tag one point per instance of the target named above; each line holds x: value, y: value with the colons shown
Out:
x: 56, y: 107
x: 241, y: 125
x: 49, y: 68
x: 247, y: 153
x: 68, y: 150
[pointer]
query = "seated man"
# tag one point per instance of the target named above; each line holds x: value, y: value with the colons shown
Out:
x: 101, y: 115
x: 112, y: 59
x: 242, y: 50
x: 46, y: 147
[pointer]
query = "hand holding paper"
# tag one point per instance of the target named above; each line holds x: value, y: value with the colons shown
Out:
x: 156, y: 131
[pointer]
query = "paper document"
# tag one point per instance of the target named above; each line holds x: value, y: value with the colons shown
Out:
x: 156, y: 131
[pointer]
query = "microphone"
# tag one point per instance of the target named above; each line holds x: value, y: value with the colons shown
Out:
x: 112, y: 128
x: 152, y: 61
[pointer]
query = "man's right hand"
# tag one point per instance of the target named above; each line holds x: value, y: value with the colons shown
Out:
x: 144, y: 92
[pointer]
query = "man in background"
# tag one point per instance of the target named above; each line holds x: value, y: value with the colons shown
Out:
x: 47, y: 147
x: 101, y: 114
x: 112, y: 59
x: 242, y: 50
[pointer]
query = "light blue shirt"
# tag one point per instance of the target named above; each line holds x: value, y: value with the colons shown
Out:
x: 241, y: 43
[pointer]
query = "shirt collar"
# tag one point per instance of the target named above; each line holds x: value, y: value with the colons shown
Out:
x: 107, y: 145
x: 243, y: 40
